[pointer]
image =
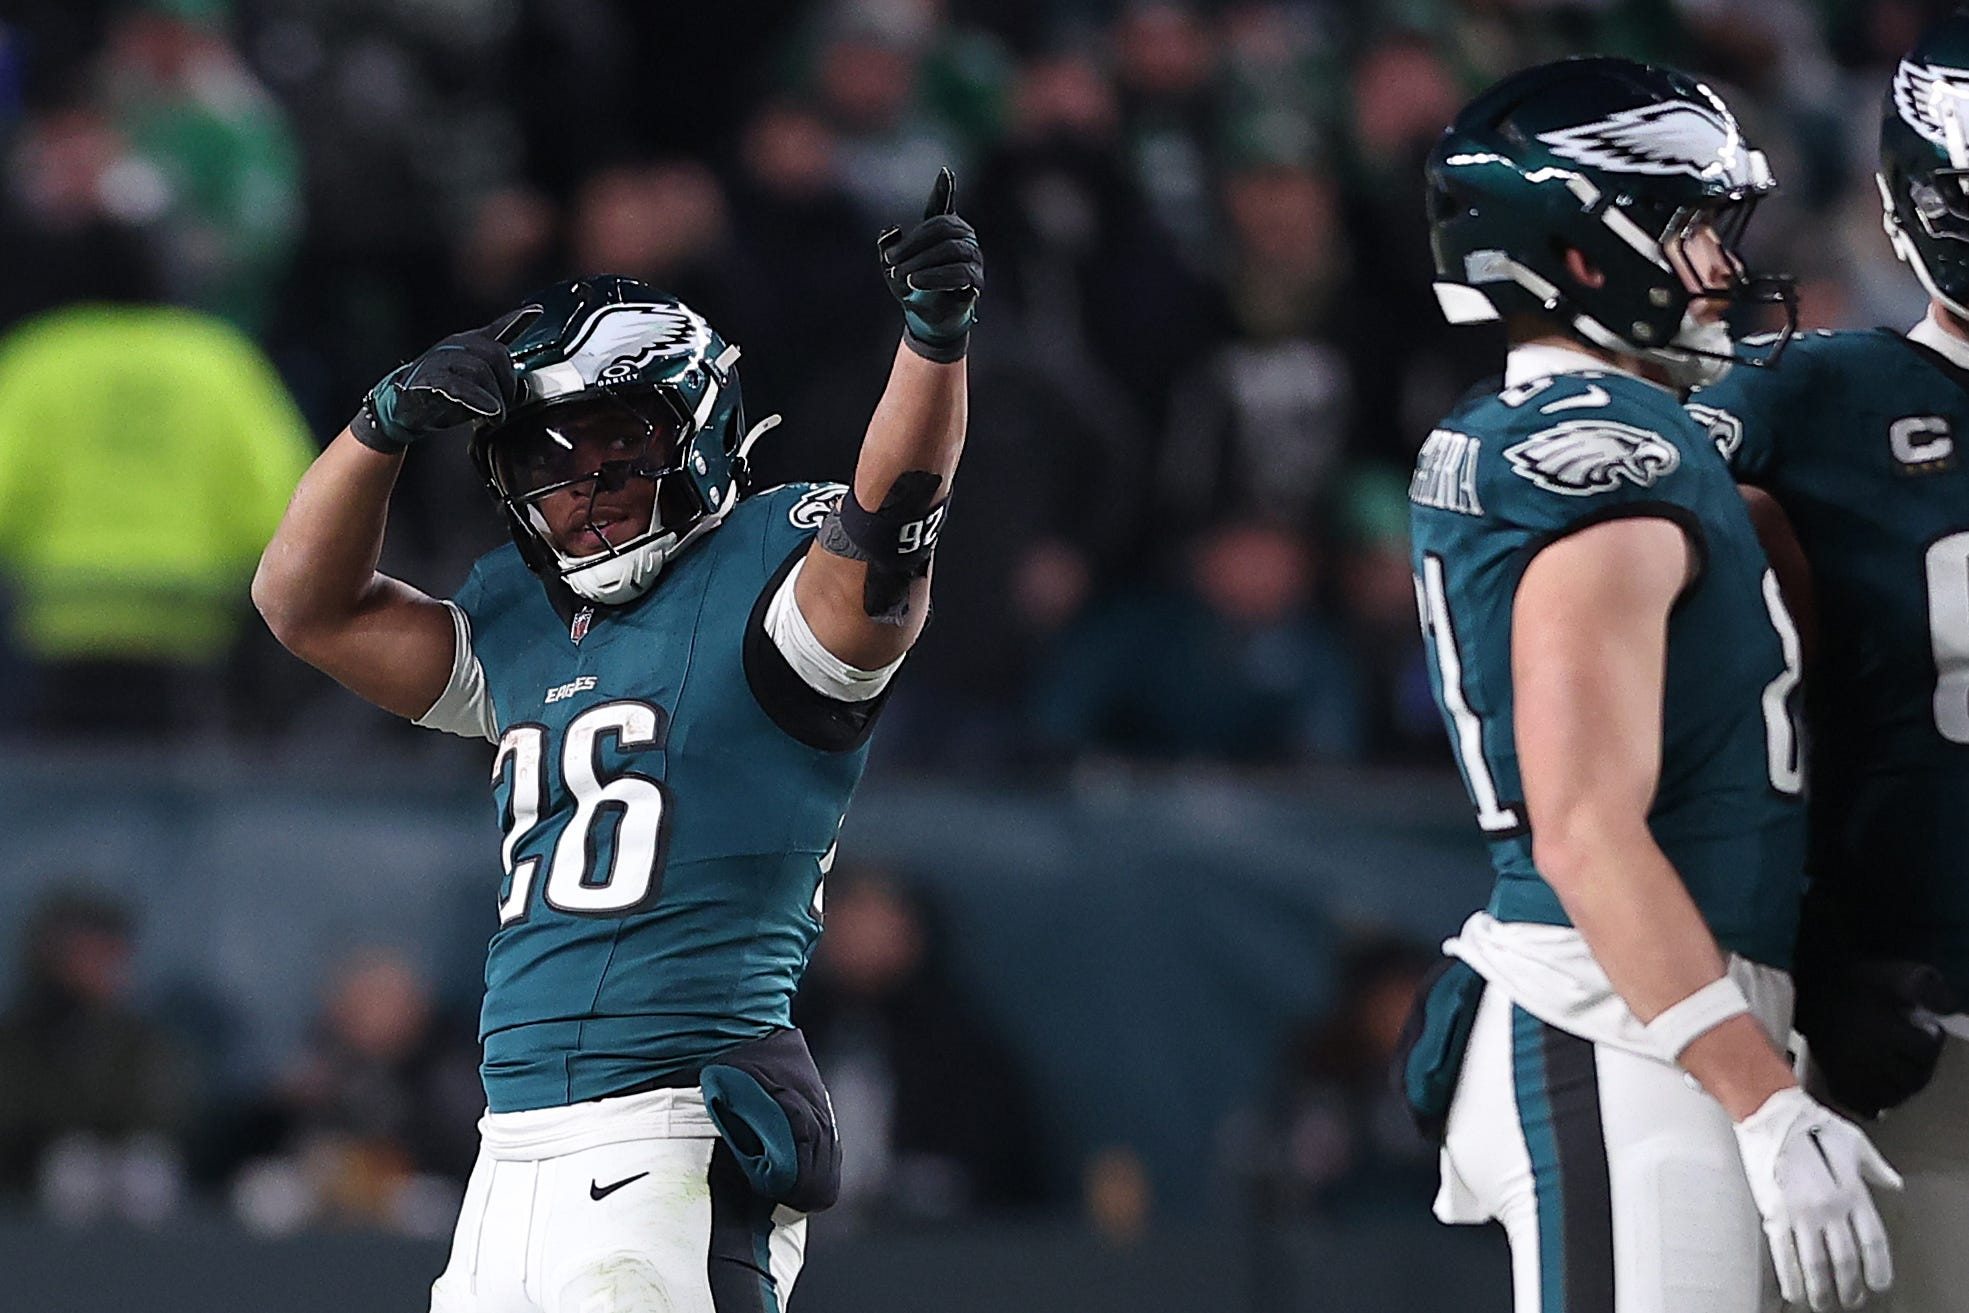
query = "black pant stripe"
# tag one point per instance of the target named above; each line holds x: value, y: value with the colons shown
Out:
x: 739, y: 1264
x: 1573, y: 1083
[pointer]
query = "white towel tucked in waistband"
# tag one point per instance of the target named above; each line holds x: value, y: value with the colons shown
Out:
x: 551, y: 1132
x: 1549, y: 972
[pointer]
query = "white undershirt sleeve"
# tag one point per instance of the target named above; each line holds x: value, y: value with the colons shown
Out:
x: 818, y: 668
x: 465, y: 706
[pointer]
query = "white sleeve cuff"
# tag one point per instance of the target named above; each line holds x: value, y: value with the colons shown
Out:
x: 818, y: 668
x: 1695, y: 1016
x: 465, y: 706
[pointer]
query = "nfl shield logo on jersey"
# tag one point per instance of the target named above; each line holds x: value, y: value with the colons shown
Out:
x: 578, y: 628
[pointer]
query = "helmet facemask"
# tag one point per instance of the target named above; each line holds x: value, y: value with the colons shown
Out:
x: 572, y: 476
x: 1700, y: 243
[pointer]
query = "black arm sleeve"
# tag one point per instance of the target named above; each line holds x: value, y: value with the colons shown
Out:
x: 810, y: 717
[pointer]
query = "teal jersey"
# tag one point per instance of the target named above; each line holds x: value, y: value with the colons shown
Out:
x: 669, y: 794
x: 1857, y: 436
x: 1505, y: 476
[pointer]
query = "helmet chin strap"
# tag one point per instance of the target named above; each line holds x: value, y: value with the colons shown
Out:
x: 615, y: 577
x: 618, y: 577
x: 1707, y: 353
x: 1699, y: 355
x: 609, y: 577
x: 753, y: 434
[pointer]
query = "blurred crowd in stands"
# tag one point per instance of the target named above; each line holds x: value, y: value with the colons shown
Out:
x: 125, y: 1105
x: 1209, y: 349
x: 119, y: 1107
x: 1209, y: 352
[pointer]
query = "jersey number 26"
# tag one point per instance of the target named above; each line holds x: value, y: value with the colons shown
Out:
x: 631, y: 809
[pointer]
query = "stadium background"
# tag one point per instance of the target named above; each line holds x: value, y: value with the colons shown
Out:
x: 1160, y: 826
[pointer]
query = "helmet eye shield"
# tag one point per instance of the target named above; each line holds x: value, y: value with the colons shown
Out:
x: 604, y: 441
x: 596, y: 477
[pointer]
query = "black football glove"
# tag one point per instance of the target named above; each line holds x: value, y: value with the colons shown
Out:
x: 1875, y: 1029
x: 465, y: 383
x: 935, y: 271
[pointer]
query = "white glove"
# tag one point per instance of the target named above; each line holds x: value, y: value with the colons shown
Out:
x: 1809, y: 1170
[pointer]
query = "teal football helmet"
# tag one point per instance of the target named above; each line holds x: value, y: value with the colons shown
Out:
x: 1924, y: 162
x: 617, y: 381
x: 1625, y: 163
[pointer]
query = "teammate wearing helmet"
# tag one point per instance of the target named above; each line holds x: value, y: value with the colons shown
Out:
x: 1856, y: 435
x: 1616, y: 670
x: 681, y: 678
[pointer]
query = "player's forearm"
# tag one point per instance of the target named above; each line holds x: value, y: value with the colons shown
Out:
x: 918, y: 425
x: 1646, y: 933
x: 1625, y: 898
x: 1739, y: 1066
x: 917, y: 429
x: 320, y: 567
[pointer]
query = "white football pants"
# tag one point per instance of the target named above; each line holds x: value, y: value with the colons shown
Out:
x: 626, y: 1205
x: 1927, y: 1141
x: 1615, y: 1176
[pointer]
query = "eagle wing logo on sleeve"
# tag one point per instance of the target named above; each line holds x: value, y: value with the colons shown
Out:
x: 1724, y: 429
x: 1586, y: 456
x: 1675, y: 137
x: 815, y: 505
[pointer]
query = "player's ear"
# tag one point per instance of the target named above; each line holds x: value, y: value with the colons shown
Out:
x: 1583, y: 270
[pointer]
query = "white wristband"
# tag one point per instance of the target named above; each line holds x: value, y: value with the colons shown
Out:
x: 1698, y: 1014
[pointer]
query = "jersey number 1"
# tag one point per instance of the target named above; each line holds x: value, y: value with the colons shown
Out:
x: 1466, y: 727
x: 634, y: 807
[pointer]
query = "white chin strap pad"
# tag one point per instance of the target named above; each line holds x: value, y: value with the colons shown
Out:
x: 1684, y: 368
x: 623, y: 577
x: 608, y: 578
x: 627, y: 575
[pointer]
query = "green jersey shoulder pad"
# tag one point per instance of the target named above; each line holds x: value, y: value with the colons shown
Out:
x: 1547, y: 453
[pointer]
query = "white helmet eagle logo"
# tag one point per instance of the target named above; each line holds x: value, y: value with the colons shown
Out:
x: 1934, y: 102
x: 618, y: 340
x: 1582, y: 457
x: 615, y: 342
x: 1670, y: 137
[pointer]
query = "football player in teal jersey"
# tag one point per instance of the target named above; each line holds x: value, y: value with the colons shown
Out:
x: 1856, y: 435
x: 681, y: 677
x: 1616, y: 668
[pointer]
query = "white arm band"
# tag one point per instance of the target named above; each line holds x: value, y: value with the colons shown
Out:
x: 1695, y: 1016
x: 465, y: 706
x: 818, y: 668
